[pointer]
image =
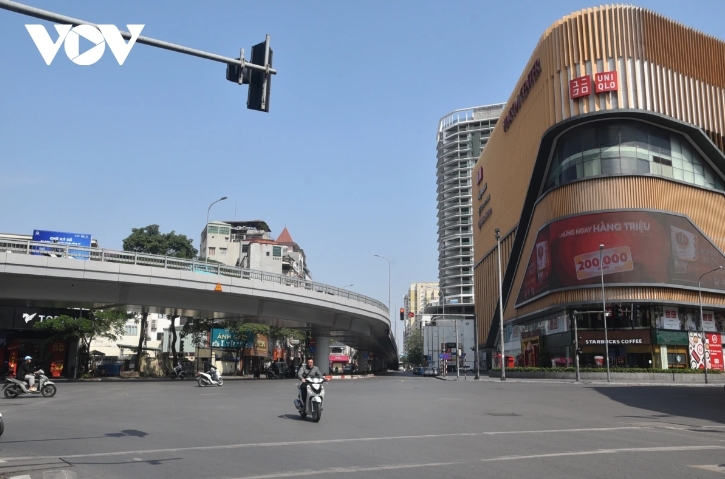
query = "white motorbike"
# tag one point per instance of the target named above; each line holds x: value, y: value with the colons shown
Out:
x: 15, y: 387
x: 315, y: 396
x: 207, y: 378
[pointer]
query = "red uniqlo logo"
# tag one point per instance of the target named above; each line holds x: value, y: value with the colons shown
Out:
x: 580, y: 87
x: 607, y: 81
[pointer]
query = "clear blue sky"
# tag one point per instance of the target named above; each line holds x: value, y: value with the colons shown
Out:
x: 346, y: 158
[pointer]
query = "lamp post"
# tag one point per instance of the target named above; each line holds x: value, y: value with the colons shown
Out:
x: 576, y: 346
x: 475, y: 338
x: 702, y: 321
x: 500, y: 303
x: 604, y: 311
x: 206, y: 253
x: 348, y: 286
x: 395, y: 324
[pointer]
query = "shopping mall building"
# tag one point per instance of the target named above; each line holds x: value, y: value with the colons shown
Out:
x: 612, y: 136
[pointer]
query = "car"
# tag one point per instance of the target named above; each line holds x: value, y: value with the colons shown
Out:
x: 349, y: 369
x: 418, y: 370
x: 432, y: 372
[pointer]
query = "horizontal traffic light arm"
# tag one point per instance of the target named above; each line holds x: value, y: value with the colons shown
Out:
x: 55, y: 17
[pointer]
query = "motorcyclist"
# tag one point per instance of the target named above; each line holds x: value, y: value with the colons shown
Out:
x: 309, y: 370
x: 26, y: 372
x: 177, y: 369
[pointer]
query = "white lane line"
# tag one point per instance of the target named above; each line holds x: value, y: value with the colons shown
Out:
x: 324, y: 441
x: 342, y: 470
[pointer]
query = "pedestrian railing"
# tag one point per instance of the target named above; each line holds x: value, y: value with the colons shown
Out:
x: 171, y: 262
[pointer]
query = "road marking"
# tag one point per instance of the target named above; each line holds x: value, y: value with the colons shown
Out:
x: 325, y: 441
x: 343, y: 470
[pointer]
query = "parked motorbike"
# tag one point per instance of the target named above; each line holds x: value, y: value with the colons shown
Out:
x: 2, y: 425
x: 315, y: 396
x: 15, y: 387
x: 273, y: 375
x: 208, y: 378
x: 256, y: 373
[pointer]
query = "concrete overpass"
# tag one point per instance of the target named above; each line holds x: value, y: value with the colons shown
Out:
x: 43, y: 275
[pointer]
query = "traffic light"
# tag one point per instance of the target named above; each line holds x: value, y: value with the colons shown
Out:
x: 260, y: 82
x: 402, y: 314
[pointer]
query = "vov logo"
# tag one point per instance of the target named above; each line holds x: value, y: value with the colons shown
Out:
x: 70, y: 36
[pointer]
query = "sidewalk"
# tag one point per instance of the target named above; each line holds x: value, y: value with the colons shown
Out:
x: 585, y: 382
x: 188, y: 379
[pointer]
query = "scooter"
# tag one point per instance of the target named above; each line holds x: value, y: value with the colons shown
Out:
x: 272, y: 375
x: 15, y: 387
x: 206, y: 379
x: 177, y: 373
x: 315, y: 396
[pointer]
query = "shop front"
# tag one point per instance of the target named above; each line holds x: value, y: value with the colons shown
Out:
x: 338, y: 361
x: 19, y: 338
x: 627, y: 348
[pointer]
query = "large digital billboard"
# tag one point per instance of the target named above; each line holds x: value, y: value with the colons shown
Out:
x: 640, y: 247
x: 60, y: 238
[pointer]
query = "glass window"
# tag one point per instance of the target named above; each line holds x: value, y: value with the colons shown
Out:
x: 625, y: 147
x: 276, y: 251
x: 212, y: 251
x: 213, y: 230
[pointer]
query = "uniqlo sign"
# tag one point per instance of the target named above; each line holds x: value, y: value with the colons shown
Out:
x: 580, y: 87
x: 604, y: 82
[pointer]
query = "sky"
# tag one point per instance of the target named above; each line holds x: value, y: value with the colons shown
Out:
x: 345, y: 158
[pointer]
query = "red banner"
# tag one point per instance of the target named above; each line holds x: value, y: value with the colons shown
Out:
x: 640, y: 247
x: 714, y: 344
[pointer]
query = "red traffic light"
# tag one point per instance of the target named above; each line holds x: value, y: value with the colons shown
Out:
x: 402, y: 310
x: 411, y: 314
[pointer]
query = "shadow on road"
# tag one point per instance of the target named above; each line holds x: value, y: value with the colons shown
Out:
x: 670, y: 402
x: 150, y: 462
x: 124, y: 433
x: 291, y: 416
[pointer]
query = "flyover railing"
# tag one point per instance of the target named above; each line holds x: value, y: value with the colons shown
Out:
x: 171, y: 262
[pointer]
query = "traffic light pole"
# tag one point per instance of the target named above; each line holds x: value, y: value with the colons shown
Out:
x: 55, y: 17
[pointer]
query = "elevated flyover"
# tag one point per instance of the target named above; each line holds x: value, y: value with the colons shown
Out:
x: 50, y: 275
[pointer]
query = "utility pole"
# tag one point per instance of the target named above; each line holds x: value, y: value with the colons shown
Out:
x: 604, y: 310
x: 475, y: 336
x: 576, y: 346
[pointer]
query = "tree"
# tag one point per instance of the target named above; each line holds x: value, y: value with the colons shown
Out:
x: 99, y: 324
x: 151, y: 240
x: 243, y: 333
x: 414, y: 348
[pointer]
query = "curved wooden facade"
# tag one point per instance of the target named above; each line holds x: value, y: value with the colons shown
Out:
x: 664, y: 69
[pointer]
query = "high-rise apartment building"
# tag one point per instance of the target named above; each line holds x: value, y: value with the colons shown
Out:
x: 462, y: 136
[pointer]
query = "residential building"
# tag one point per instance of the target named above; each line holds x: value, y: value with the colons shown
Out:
x: 462, y: 136
x: 248, y: 244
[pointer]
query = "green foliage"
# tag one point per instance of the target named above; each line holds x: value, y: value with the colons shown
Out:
x: 529, y: 369
x: 99, y: 324
x: 150, y: 240
x: 414, y: 349
x: 197, y: 329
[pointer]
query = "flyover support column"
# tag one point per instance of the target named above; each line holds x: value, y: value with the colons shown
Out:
x: 362, y: 361
x: 322, y: 349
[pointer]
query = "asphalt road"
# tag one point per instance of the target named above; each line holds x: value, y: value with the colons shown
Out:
x: 398, y: 426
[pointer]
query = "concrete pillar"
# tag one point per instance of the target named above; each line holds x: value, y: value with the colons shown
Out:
x: 361, y: 363
x: 663, y: 357
x: 322, y: 350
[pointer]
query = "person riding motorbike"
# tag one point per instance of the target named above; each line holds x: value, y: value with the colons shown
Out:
x: 26, y: 372
x: 178, y: 369
x: 309, y: 370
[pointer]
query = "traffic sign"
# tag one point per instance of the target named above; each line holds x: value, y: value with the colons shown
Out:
x: 440, y: 356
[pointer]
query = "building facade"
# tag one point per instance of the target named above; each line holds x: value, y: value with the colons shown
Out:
x: 462, y: 136
x: 613, y: 136
x: 419, y: 297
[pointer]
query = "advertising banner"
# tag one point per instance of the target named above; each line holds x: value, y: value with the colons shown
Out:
x: 697, y: 350
x: 640, y: 247
x: 714, y: 346
x: 60, y: 238
x: 670, y: 319
x: 708, y: 321
x: 223, y: 338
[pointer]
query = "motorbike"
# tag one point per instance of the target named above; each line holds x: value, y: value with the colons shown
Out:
x: 15, y: 387
x: 206, y: 379
x: 273, y: 374
x: 2, y: 425
x: 315, y: 396
x: 177, y: 373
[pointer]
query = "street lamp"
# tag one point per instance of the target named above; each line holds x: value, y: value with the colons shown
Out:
x: 702, y: 322
x: 500, y: 302
x: 604, y: 310
x: 389, y: 309
x: 348, y: 286
x: 206, y: 253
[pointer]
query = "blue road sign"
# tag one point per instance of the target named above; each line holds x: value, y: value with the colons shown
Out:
x: 60, y: 238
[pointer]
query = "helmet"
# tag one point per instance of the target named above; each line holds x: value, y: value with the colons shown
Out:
x: 27, y: 357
